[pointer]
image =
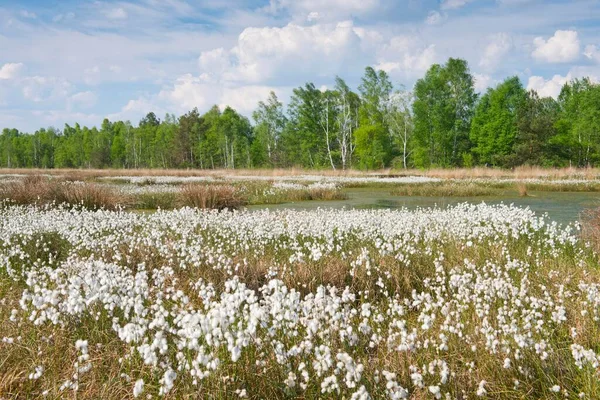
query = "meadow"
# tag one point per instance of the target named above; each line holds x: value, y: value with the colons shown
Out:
x: 470, y: 301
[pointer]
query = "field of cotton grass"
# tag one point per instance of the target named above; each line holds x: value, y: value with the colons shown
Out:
x: 473, y: 301
x: 150, y: 193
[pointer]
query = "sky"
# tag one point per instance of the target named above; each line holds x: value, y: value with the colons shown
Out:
x: 82, y: 61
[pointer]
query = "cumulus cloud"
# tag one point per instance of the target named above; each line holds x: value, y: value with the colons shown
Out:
x: 500, y: 44
x: 592, y: 52
x: 10, y: 71
x: 136, y: 109
x: 562, y: 47
x: 548, y: 87
x: 294, y: 51
x: 215, y: 61
x: 407, y: 56
x: 202, y: 92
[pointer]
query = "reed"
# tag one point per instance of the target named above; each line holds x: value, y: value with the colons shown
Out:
x: 211, y: 196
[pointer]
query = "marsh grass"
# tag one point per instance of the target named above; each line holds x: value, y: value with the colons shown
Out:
x: 210, y: 196
x: 42, y: 190
x: 35, y: 189
x: 446, y: 189
x: 489, y: 187
x: 590, y: 227
x: 523, y: 172
x: 155, y: 201
x: 522, y: 189
x: 112, y: 375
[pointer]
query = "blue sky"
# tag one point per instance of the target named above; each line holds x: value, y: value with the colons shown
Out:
x: 81, y: 61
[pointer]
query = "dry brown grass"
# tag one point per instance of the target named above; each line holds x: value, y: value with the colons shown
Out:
x: 89, y: 174
x: 522, y: 189
x: 445, y: 189
x: 211, y: 196
x: 36, y: 189
x: 590, y: 227
x: 524, y: 172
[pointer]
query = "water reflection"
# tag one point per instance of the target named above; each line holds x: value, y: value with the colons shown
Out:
x: 563, y: 207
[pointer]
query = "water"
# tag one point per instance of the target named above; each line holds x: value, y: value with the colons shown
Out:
x: 563, y: 207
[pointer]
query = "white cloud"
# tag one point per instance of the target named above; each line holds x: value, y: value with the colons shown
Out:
x: 85, y: 100
x: 136, y: 109
x: 548, y: 87
x: 189, y: 92
x: 482, y: 82
x: 498, y: 47
x: 291, y: 52
x: 562, y: 47
x: 313, y: 16
x: 406, y: 56
x: 245, y: 99
x: 10, y: 71
x: 202, y: 92
x: 116, y: 13
x: 453, y: 4
x: 592, y: 52
x: 40, y: 88
x: 214, y: 61
x: 435, y: 18
x: 57, y: 118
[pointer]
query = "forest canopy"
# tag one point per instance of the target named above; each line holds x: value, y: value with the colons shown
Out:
x: 441, y: 122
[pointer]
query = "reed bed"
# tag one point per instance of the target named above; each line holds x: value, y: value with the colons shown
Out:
x: 446, y: 189
x: 147, y: 195
x: 524, y: 172
x: 35, y: 189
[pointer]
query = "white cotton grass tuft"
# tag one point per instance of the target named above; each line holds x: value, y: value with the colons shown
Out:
x: 138, y: 388
x: 192, y: 295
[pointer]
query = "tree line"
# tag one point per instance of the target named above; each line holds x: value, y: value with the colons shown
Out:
x: 442, y: 122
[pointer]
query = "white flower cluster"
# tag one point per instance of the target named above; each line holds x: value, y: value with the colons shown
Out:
x: 283, y: 178
x: 299, y: 186
x: 195, y: 293
x: 130, y: 189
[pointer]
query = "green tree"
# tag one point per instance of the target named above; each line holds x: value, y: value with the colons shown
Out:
x: 400, y: 121
x: 372, y: 144
x: 347, y: 104
x: 375, y: 90
x: 577, y: 126
x: 303, y: 138
x: 270, y: 123
x: 444, y: 103
x: 536, y: 120
x: 494, y: 125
